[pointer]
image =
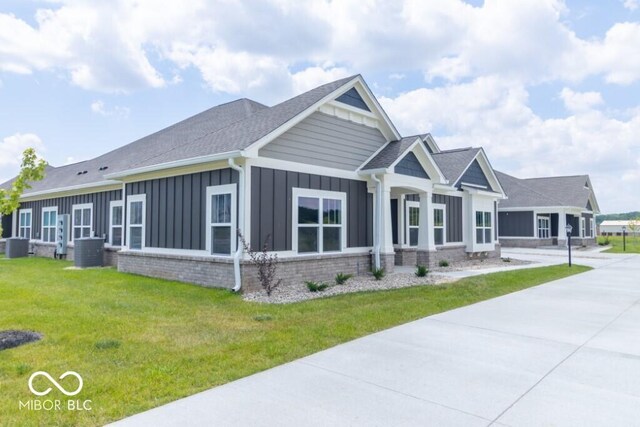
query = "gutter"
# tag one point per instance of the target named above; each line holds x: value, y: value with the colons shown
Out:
x: 240, y: 249
x: 377, y: 228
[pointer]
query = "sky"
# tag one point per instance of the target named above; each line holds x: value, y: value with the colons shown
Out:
x: 547, y: 87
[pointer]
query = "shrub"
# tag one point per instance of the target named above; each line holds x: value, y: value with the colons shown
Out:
x: 421, y: 271
x: 378, y: 273
x: 342, y: 278
x: 444, y: 263
x: 316, y: 287
x: 506, y: 259
x: 604, y: 241
x: 266, y: 263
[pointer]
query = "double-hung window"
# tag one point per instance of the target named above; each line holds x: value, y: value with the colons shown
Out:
x: 592, y: 222
x: 439, y: 224
x: 24, y: 224
x: 221, y: 219
x: 319, y: 221
x: 544, y: 228
x: 483, y: 227
x: 49, y: 218
x: 583, y: 223
x: 82, y: 220
x: 413, y: 222
x: 115, y: 223
x: 136, y: 216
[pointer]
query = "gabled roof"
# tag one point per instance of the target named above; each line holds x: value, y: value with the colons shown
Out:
x: 390, y: 153
x: 569, y: 191
x: 453, y: 163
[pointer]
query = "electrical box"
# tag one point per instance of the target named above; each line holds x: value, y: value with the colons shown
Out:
x: 62, y: 234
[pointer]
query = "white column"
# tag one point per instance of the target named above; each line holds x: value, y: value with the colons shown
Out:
x: 426, y: 241
x: 386, y: 243
x: 562, y: 233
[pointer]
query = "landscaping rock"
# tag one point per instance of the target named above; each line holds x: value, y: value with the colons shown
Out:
x: 10, y: 339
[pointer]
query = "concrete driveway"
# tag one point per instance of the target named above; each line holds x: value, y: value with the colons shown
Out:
x: 564, y: 353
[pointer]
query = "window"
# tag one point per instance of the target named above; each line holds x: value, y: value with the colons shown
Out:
x: 413, y: 222
x: 483, y: 227
x: 583, y: 232
x: 49, y: 219
x: 115, y: 223
x: 593, y: 227
x: 24, y: 226
x: 319, y: 221
x: 136, y: 212
x: 544, y: 227
x: 82, y: 220
x: 221, y: 214
x: 439, y: 226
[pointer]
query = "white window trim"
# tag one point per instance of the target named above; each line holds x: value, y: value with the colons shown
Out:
x: 476, y: 228
x: 223, y: 189
x: 54, y: 226
x: 74, y: 208
x: 592, y: 223
x: 30, y: 226
x: 114, y: 204
x: 444, y: 222
x: 320, y: 194
x: 583, y: 227
x: 133, y: 199
x: 547, y: 228
x: 407, y: 240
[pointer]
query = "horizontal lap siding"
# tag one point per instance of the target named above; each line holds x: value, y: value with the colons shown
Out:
x: 99, y: 200
x: 325, y: 140
x: 176, y: 208
x: 515, y: 224
x: 454, y: 216
x: 272, y: 206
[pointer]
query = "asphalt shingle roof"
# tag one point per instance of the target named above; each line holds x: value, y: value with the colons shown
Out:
x: 453, y: 163
x: 390, y: 153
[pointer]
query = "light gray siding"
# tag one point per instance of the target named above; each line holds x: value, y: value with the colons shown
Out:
x: 324, y: 140
x: 516, y: 224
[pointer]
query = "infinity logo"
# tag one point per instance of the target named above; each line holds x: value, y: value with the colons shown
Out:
x: 55, y: 383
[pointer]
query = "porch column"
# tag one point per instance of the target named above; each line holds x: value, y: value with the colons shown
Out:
x: 562, y: 233
x: 426, y: 240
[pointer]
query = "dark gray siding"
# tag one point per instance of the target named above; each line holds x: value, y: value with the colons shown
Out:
x: 575, y: 224
x: 587, y: 223
x: 353, y: 98
x: 474, y: 175
x: 410, y: 165
x: 589, y: 207
x: 271, y: 206
x: 176, y: 208
x: 454, y: 216
x: 7, y: 222
x: 394, y: 220
x: 100, y: 209
x: 554, y: 224
x: 516, y: 224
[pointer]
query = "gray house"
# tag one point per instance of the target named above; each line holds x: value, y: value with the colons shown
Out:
x: 324, y: 176
x: 537, y: 211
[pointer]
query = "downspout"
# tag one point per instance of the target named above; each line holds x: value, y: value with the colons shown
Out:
x: 240, y: 249
x: 377, y: 228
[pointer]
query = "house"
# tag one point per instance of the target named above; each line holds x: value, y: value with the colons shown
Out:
x: 614, y: 228
x: 537, y: 211
x: 324, y: 177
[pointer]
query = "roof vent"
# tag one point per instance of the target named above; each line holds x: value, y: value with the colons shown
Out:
x: 103, y: 168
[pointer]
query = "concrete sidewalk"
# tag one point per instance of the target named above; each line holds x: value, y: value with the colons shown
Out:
x: 563, y: 353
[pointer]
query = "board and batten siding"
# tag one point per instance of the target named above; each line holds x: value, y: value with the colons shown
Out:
x: 516, y: 224
x: 176, y: 208
x: 272, y: 206
x: 453, y: 216
x: 325, y: 140
x: 7, y: 223
x: 100, y: 201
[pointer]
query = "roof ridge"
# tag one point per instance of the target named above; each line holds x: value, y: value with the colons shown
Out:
x: 456, y: 150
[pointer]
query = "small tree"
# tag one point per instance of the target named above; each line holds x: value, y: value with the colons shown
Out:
x: 634, y: 226
x: 266, y: 263
x: 31, y: 170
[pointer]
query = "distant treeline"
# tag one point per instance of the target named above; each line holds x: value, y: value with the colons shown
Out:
x: 618, y: 217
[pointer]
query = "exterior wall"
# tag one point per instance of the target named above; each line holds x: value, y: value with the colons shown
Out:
x: 406, y: 256
x: 575, y: 224
x: 353, y: 98
x: 325, y: 140
x: 7, y: 223
x: 410, y: 166
x: 516, y: 224
x: 474, y: 175
x: 453, y: 216
x: 453, y: 254
x: 272, y: 206
x: 176, y: 207
x: 526, y: 243
x: 100, y: 202
x: 2, y: 246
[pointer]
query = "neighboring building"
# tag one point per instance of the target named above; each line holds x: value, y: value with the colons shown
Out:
x: 325, y: 176
x: 537, y: 211
x: 614, y: 228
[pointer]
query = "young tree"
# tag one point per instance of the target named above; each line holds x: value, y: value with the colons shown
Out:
x: 634, y: 226
x: 31, y: 170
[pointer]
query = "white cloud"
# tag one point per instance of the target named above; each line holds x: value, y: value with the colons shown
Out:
x: 98, y: 107
x: 580, y: 101
x: 11, y: 149
x: 631, y: 4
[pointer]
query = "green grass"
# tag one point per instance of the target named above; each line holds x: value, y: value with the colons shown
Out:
x: 139, y: 342
x: 633, y: 244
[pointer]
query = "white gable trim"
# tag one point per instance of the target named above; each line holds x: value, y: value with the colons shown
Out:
x: 425, y: 160
x: 431, y: 143
x: 487, y: 169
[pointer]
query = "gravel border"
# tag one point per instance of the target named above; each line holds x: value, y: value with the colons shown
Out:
x: 13, y: 338
x: 477, y: 264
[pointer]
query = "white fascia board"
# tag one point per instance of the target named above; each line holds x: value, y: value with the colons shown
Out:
x: 378, y: 107
x: 175, y: 164
x: 551, y: 209
x: 100, y: 186
x: 481, y: 192
x: 432, y: 143
x: 368, y: 172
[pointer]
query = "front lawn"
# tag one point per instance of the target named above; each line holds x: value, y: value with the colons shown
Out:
x: 633, y: 244
x: 139, y: 342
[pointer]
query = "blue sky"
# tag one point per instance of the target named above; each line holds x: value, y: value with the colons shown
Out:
x: 547, y: 87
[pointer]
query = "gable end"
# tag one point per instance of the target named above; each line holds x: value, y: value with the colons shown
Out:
x: 410, y: 165
x: 474, y: 175
x: 353, y: 98
x: 589, y: 207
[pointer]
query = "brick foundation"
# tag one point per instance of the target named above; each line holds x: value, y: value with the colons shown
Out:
x: 451, y: 254
x: 2, y: 246
x: 406, y: 256
x: 536, y: 243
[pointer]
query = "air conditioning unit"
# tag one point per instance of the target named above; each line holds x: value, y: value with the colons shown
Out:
x: 62, y: 235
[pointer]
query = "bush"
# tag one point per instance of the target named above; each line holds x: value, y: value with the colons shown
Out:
x: 444, y: 263
x: 421, y: 271
x: 604, y: 241
x: 378, y: 273
x: 316, y: 287
x: 266, y: 263
x: 506, y: 259
x: 342, y: 278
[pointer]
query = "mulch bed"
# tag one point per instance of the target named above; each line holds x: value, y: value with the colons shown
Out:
x: 10, y: 339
